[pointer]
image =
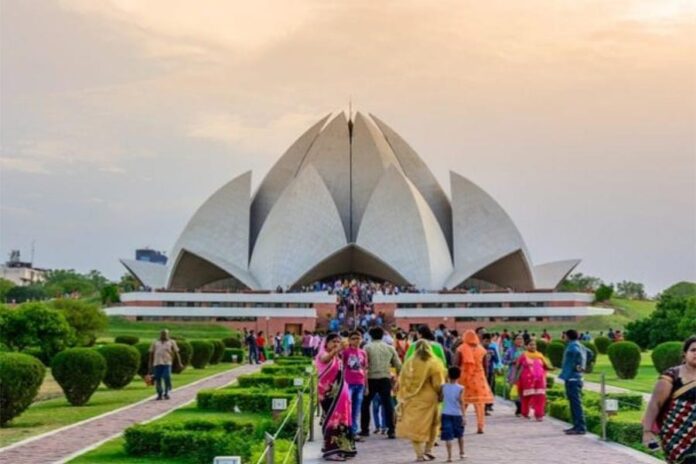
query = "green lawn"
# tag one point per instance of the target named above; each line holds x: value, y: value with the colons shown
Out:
x: 644, y: 381
x: 147, y: 331
x: 112, y: 452
x: 48, y: 415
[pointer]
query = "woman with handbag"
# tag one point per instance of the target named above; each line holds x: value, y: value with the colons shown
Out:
x: 417, y: 413
x: 531, y: 381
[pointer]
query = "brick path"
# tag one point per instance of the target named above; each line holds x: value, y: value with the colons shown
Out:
x: 64, y: 443
x: 507, y: 439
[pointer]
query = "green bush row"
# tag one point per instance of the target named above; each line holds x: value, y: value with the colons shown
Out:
x: 255, y: 380
x: 273, y: 369
x: 245, y: 399
x: 230, y: 352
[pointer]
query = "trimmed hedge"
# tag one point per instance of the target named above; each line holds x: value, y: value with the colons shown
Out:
x: 232, y: 342
x: 590, y: 365
x: 666, y: 355
x: 21, y: 376
x: 185, y: 355
x: 122, y: 363
x: 127, y: 339
x: 144, y: 350
x: 202, y: 352
x: 554, y: 351
x: 230, y: 352
x: 256, y: 380
x: 218, y: 351
x: 283, y: 370
x: 625, y: 358
x: 541, y: 346
x: 78, y: 371
x: 602, y: 343
x: 246, y: 399
x: 293, y: 361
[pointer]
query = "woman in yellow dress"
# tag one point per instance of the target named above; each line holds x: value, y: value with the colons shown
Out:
x: 420, y: 383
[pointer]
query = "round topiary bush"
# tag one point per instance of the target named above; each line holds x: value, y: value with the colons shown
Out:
x: 144, y: 350
x: 127, y: 339
x: 554, y: 351
x: 202, y: 352
x: 541, y: 345
x: 602, y: 343
x: 21, y: 376
x: 590, y: 365
x: 232, y: 342
x: 122, y: 363
x: 78, y: 371
x: 625, y: 358
x: 218, y: 351
x: 666, y: 355
x: 185, y: 355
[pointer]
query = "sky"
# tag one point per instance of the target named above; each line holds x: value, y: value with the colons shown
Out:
x: 118, y: 118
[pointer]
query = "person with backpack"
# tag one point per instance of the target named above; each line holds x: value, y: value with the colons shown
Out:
x: 575, y: 359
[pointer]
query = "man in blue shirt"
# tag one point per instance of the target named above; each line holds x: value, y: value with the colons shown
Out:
x: 574, y: 362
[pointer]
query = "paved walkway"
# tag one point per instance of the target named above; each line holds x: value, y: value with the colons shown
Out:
x: 59, y: 445
x: 507, y: 439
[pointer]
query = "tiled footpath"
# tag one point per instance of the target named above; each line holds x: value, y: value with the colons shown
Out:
x: 508, y: 439
x: 64, y: 443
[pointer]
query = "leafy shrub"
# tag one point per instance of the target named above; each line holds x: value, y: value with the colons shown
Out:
x: 283, y: 370
x: 541, y: 346
x: 590, y: 365
x: 122, y: 363
x: 21, y: 376
x: 666, y: 355
x: 555, y: 352
x: 602, y: 343
x: 625, y: 358
x: 627, y: 401
x: 35, y: 324
x: 185, y: 355
x: 127, y: 339
x: 293, y: 361
x: 246, y: 399
x: 145, y: 439
x: 144, y: 350
x: 256, y: 380
x: 38, y: 353
x: 624, y: 431
x: 218, y: 351
x: 604, y: 292
x: 85, y: 318
x: 78, y: 371
x: 674, y: 318
x: 202, y: 352
x: 232, y: 342
x: 550, y: 381
x: 230, y: 352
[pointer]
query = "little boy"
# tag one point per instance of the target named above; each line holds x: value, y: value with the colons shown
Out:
x: 453, y: 413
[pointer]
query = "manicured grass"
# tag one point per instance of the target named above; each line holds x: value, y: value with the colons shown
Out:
x: 148, y: 331
x: 112, y: 451
x: 49, y: 388
x: 48, y: 415
x: 644, y: 381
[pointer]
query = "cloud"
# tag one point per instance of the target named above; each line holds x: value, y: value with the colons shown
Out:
x: 31, y: 166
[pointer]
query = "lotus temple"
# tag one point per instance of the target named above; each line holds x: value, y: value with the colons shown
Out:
x: 351, y: 199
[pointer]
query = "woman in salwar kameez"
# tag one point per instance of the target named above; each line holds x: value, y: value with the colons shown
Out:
x: 531, y: 383
x: 472, y: 364
x: 334, y: 398
x: 417, y: 412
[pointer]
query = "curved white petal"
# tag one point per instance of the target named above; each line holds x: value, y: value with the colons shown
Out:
x: 280, y: 176
x: 151, y: 275
x: 399, y: 228
x: 419, y: 174
x: 193, y: 270
x: 302, y: 229
x: 219, y: 228
x: 483, y: 233
x: 548, y: 276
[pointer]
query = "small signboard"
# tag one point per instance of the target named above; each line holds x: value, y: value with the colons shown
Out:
x: 227, y: 460
x: 611, y: 405
x: 298, y: 382
x: 308, y: 369
x: 234, y: 358
x: 279, y: 404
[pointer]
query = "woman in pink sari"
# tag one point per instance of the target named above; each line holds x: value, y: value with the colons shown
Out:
x: 531, y: 382
x: 334, y: 398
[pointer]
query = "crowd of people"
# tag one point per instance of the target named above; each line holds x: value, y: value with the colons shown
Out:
x: 397, y: 382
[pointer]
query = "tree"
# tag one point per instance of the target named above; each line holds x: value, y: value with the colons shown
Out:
x: 604, y: 292
x: 86, y: 319
x: 630, y: 290
x: 128, y: 283
x: 22, y: 293
x: 35, y: 325
x: 674, y: 318
x: 578, y: 282
x: 109, y: 294
x: 5, y: 286
x: 61, y: 282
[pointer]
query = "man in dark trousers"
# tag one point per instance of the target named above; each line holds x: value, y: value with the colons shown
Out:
x: 380, y: 358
